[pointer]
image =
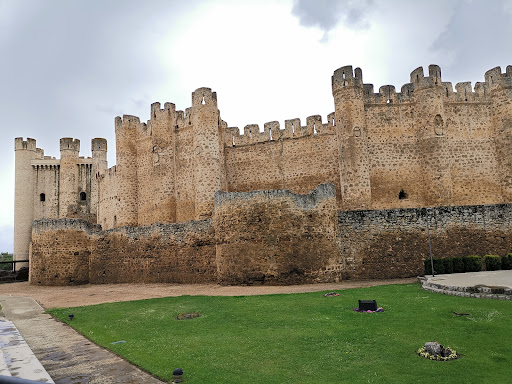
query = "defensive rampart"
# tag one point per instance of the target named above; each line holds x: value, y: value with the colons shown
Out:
x: 267, y: 237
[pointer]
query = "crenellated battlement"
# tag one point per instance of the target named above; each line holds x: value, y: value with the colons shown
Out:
x: 272, y: 131
x: 494, y: 79
x: 345, y: 77
x: 98, y: 144
x: 69, y: 144
x: 20, y: 144
x: 204, y: 96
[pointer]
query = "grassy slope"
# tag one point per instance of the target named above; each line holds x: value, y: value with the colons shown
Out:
x: 307, y: 338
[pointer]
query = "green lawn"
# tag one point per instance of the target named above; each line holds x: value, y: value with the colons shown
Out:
x: 307, y: 338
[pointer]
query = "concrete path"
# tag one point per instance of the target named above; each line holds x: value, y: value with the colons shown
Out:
x: 16, y: 357
x: 487, y: 278
x: 68, y: 357
x: 484, y: 285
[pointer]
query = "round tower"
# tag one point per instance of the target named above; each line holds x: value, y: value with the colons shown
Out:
x: 208, y: 150
x: 99, y: 166
x: 433, y: 146
x: 68, y: 182
x: 351, y: 130
x: 25, y: 152
x: 499, y: 86
x: 126, y: 165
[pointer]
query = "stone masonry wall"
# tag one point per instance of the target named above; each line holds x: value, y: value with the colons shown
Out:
x: 72, y: 251
x: 268, y: 237
x: 277, y: 237
x: 393, y: 243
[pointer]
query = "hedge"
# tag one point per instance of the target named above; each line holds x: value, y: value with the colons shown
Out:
x: 458, y: 265
x: 506, y: 261
x: 472, y: 263
x: 492, y: 262
x: 448, y: 265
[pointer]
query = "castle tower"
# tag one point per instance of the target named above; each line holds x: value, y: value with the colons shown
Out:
x: 68, y: 183
x: 25, y: 152
x: 99, y: 166
x: 126, y: 159
x: 429, y: 94
x: 208, y: 150
x: 347, y: 90
x: 500, y: 88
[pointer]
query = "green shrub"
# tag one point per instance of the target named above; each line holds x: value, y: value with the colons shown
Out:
x: 427, y: 267
x: 448, y: 265
x: 506, y: 261
x: 458, y: 265
x: 438, y: 266
x: 472, y: 263
x: 492, y: 262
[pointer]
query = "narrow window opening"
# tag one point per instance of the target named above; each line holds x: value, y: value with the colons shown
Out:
x: 402, y: 195
x: 446, y: 92
x: 417, y: 78
x: 271, y: 138
x: 250, y: 135
x: 83, y: 196
x: 388, y: 101
x: 42, y: 197
x: 293, y: 128
x: 202, y: 102
x: 333, y: 122
x: 314, y: 129
x: 233, y: 141
x: 343, y: 75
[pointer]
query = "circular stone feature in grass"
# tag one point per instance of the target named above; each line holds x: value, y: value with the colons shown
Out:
x: 435, y: 351
x: 188, y: 316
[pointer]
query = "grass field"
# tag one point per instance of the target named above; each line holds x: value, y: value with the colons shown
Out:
x: 307, y: 338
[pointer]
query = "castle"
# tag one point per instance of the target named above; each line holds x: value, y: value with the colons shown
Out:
x: 193, y: 200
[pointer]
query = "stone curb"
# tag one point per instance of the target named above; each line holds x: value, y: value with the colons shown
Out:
x: 494, y: 293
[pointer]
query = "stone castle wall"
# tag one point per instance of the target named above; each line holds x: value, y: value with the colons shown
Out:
x: 267, y: 237
x: 425, y: 146
x: 393, y: 243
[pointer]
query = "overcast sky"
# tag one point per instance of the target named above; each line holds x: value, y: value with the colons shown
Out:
x: 67, y: 68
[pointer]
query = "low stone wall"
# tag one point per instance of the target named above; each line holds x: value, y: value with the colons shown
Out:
x: 267, y: 237
x: 71, y: 251
x: 277, y: 237
x: 393, y: 243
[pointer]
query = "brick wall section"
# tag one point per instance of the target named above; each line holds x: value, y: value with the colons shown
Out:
x: 277, y: 237
x: 393, y: 243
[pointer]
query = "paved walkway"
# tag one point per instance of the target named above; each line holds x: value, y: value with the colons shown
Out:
x: 485, y: 285
x: 68, y: 357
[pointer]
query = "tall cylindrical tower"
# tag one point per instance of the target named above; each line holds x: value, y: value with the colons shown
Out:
x: 126, y: 159
x: 351, y: 130
x: 208, y: 150
x: 68, y: 183
x: 99, y: 166
x: 429, y: 94
x: 500, y: 87
x: 25, y: 152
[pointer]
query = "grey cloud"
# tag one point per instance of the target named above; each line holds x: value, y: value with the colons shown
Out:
x: 477, y: 37
x: 326, y: 14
